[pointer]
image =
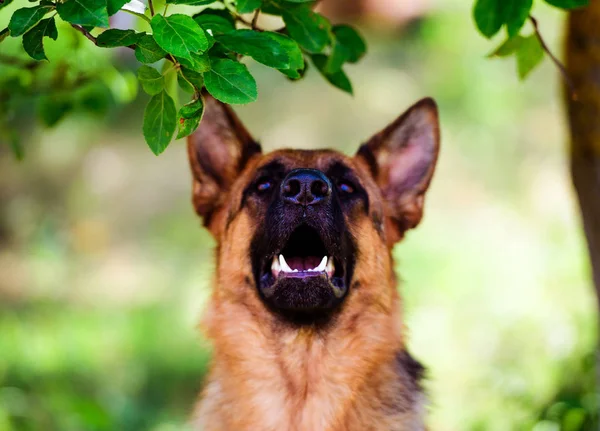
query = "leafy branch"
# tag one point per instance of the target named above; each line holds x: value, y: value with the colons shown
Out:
x: 555, y: 60
x: 492, y: 15
x: 205, y: 49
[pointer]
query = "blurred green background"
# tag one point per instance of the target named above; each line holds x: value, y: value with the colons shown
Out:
x: 104, y: 267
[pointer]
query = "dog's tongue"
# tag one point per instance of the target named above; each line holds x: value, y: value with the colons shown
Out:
x: 303, y: 263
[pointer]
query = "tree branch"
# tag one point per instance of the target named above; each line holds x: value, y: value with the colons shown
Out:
x: 151, y: 6
x: 241, y: 19
x: 255, y: 19
x: 555, y: 60
x: 86, y: 33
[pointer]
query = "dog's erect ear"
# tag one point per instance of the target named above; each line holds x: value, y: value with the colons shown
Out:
x: 402, y: 159
x: 218, y: 151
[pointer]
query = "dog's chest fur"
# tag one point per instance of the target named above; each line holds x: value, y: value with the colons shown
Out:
x: 351, y: 378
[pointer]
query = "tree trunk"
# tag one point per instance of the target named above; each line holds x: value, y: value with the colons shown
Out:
x: 583, y: 108
x: 583, y: 66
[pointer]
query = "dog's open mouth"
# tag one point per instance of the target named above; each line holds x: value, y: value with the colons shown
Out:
x: 305, y: 275
x: 304, y: 255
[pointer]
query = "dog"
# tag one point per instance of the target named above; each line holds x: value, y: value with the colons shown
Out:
x: 305, y: 317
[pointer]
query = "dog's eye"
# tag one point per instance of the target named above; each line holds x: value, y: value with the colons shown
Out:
x: 346, y: 187
x: 264, y: 185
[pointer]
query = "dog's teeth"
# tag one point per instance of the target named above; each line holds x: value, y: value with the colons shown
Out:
x: 321, y: 266
x: 330, y: 269
x: 284, y: 266
x: 275, y: 267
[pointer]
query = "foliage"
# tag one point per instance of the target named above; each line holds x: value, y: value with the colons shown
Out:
x: 492, y: 15
x: 204, y: 50
x: 200, y: 51
x: 576, y: 405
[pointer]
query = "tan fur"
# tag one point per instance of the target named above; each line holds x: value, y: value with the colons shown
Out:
x: 269, y: 375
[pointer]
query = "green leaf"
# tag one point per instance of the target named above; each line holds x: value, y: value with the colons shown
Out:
x: 529, y: 54
x: 568, y: 4
x: 308, y: 28
x: 247, y: 6
x: 151, y: 79
x: 194, y: 77
x: 5, y: 3
x: 179, y: 35
x: 338, y: 79
x: 258, y: 45
x: 160, y: 121
x: 230, y: 82
x: 223, y: 13
x: 191, y: 2
x: 527, y: 50
x: 352, y: 41
x: 4, y: 34
x: 147, y: 50
x: 115, y: 37
x: 508, y: 47
x: 53, y: 108
x: 184, y: 84
x: 299, y: 1
x: 199, y: 62
x: 191, y: 109
x: 297, y: 65
x: 215, y: 23
x: 114, y: 6
x: 296, y: 74
x: 25, y: 18
x: 219, y: 51
x: 33, y: 40
x: 517, y: 12
x: 336, y: 59
x: 489, y: 16
x: 273, y: 8
x: 84, y: 12
x: 189, y: 118
x: 170, y: 74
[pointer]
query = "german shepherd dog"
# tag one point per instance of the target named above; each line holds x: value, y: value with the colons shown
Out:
x: 305, y: 317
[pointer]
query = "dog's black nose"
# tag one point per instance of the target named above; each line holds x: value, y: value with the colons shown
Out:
x: 306, y: 187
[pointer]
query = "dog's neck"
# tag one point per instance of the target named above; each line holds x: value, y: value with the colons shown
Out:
x: 270, y: 375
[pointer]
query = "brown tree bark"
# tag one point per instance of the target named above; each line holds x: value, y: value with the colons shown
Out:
x: 583, y: 109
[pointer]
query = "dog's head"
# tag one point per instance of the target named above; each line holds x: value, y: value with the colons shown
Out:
x: 302, y: 229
